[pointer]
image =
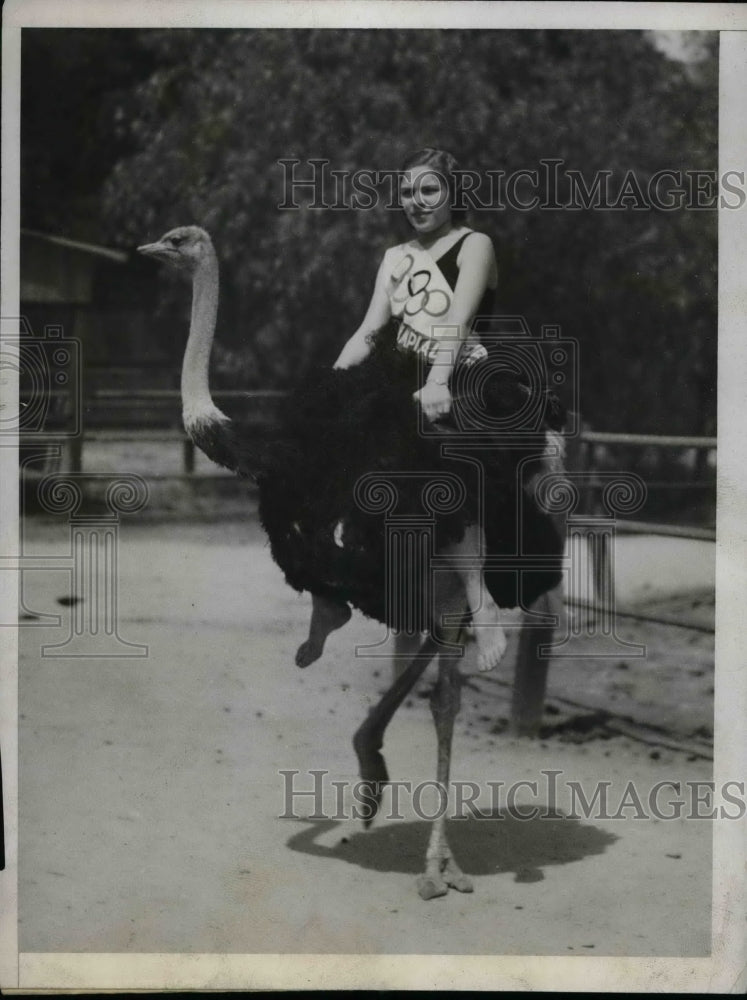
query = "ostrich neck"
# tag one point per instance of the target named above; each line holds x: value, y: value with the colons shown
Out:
x: 196, y: 400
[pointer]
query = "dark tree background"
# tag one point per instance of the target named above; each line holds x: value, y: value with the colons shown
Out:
x: 127, y: 133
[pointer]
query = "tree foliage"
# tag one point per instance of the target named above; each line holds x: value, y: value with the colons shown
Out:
x: 73, y: 84
x: 208, y: 115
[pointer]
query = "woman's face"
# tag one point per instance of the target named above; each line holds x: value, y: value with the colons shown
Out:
x: 425, y: 199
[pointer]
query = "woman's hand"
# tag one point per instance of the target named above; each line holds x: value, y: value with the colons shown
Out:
x: 355, y: 350
x: 435, y: 400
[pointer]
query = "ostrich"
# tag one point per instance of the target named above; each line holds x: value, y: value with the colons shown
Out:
x: 341, y: 427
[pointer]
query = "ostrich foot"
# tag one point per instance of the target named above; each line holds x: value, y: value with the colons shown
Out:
x: 456, y: 878
x: 326, y: 616
x: 430, y: 886
x: 490, y: 637
x: 370, y: 794
x: 374, y: 777
x: 440, y: 876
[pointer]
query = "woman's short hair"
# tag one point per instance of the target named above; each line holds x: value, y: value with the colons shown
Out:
x: 444, y: 164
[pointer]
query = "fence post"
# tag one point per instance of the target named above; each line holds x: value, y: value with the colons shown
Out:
x: 75, y: 452
x: 597, y: 543
x: 530, y: 675
x: 189, y: 456
x: 93, y: 629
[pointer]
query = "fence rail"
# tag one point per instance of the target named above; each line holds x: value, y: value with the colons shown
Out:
x: 169, y: 423
x: 531, y: 669
x: 671, y: 530
x: 174, y: 395
x: 646, y: 440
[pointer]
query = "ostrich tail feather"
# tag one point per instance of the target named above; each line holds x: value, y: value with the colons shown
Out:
x: 342, y: 425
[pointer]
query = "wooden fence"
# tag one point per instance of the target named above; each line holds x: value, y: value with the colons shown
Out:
x: 111, y: 415
x: 530, y: 680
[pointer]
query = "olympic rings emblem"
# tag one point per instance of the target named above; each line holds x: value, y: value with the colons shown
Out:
x: 418, y: 297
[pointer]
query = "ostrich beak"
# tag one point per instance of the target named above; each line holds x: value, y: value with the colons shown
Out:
x: 160, y: 251
x: 149, y: 249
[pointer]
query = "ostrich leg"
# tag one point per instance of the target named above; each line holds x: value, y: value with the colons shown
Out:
x: 369, y: 738
x: 326, y: 616
x: 406, y: 645
x: 441, y: 869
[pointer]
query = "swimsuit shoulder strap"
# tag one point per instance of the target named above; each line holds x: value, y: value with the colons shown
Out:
x: 447, y: 262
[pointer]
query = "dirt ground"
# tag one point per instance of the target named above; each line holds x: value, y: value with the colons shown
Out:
x: 151, y: 793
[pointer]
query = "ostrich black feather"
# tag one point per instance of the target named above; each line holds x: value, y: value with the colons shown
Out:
x: 343, y: 425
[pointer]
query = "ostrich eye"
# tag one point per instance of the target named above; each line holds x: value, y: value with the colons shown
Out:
x: 177, y: 240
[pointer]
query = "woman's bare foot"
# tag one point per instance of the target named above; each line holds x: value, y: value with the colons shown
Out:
x: 489, y: 636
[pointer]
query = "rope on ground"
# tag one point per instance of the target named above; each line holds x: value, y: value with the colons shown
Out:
x: 638, y: 731
x: 641, y: 617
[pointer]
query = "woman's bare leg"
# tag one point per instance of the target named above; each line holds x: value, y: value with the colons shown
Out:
x: 486, y: 617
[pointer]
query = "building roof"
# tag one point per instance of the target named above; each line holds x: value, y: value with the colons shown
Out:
x: 119, y: 256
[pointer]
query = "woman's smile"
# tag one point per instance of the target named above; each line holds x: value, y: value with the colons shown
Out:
x: 425, y: 199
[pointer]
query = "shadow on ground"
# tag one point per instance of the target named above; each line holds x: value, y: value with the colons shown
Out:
x: 494, y: 844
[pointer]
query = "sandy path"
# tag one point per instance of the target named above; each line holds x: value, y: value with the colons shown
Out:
x: 150, y: 792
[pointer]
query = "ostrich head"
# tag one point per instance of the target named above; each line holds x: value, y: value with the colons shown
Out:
x: 185, y: 248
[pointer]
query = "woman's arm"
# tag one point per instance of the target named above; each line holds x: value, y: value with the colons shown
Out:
x: 379, y: 311
x: 477, y: 272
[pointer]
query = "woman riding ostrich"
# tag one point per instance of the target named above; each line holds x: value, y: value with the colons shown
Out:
x: 382, y: 430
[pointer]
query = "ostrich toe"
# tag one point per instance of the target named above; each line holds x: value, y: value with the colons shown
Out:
x: 308, y: 652
x: 441, y: 874
x: 456, y: 878
x: 374, y: 776
x: 371, y: 793
x: 431, y: 886
x: 325, y: 618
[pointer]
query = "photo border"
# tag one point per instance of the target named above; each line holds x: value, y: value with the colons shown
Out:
x: 724, y: 970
